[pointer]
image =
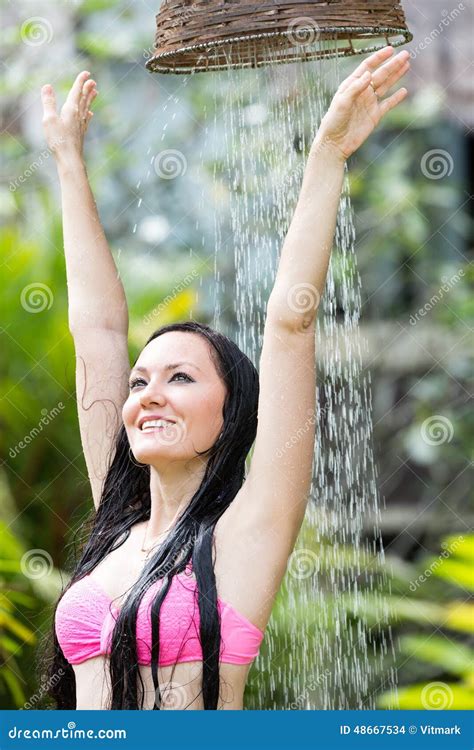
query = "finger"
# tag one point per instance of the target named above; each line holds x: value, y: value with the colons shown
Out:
x: 387, y: 104
x: 369, y: 64
x: 87, y: 91
x: 357, y: 86
x: 74, y: 96
x: 390, y: 70
x: 91, y: 97
x: 87, y: 118
x: 373, y: 62
x: 377, y: 58
x: 382, y: 89
x: 48, y: 98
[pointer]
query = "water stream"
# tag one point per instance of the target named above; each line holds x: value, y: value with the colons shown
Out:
x: 328, y: 644
x: 320, y: 651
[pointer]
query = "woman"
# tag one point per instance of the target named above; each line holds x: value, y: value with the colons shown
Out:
x: 169, y: 602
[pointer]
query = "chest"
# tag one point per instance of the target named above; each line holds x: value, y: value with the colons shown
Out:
x: 119, y: 571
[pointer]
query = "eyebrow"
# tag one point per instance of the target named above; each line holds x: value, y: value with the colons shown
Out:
x: 167, y: 367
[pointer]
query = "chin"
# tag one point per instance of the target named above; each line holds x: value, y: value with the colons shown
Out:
x: 153, y: 455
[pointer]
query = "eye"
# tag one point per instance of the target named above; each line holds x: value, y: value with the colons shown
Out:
x: 184, y: 375
x: 134, y: 382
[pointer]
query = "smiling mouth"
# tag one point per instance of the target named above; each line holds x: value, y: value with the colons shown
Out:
x: 161, y: 424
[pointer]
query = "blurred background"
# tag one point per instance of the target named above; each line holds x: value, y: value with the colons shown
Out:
x: 413, y: 222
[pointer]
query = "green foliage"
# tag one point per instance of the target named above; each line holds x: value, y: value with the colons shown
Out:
x: 441, y: 657
x: 16, y: 635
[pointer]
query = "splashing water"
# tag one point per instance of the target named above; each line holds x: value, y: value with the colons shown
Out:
x: 325, y: 648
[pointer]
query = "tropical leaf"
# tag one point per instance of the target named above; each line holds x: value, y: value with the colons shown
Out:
x: 454, y: 658
x: 430, y: 696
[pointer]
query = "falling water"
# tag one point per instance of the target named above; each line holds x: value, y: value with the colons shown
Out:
x: 328, y: 644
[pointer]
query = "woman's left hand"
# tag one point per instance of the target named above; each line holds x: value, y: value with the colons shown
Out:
x: 357, y: 106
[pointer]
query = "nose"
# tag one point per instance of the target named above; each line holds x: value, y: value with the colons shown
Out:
x: 151, y: 395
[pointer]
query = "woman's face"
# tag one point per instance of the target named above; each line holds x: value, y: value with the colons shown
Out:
x: 180, y: 385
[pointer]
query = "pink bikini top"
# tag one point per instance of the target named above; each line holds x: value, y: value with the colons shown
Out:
x: 86, y: 616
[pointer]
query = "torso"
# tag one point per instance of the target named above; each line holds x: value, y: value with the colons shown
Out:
x: 248, y: 566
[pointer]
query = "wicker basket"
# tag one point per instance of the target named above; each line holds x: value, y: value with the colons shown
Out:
x: 202, y: 35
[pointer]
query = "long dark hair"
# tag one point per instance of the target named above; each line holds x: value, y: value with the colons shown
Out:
x: 125, y: 501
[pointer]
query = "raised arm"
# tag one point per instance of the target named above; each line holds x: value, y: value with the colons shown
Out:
x: 277, y: 487
x: 97, y: 307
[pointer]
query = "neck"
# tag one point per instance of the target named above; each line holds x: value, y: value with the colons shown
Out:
x: 171, y: 490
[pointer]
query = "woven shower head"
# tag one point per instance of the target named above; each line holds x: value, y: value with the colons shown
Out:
x: 201, y: 35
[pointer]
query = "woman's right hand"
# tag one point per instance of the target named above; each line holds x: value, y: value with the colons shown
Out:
x: 65, y: 132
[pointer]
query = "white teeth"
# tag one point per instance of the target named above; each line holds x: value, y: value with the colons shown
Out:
x: 153, y: 423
